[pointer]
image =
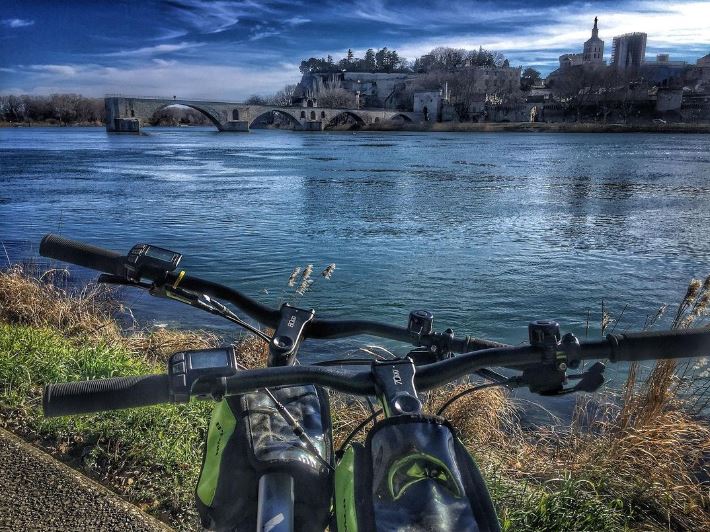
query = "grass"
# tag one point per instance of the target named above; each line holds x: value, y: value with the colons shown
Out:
x: 629, y: 462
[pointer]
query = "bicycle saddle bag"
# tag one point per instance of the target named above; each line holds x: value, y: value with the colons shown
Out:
x: 247, y: 437
x: 412, y: 473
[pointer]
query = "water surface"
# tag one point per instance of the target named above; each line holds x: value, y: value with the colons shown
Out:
x: 488, y: 231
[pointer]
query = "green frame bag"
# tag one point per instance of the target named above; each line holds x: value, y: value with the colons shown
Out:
x: 412, y: 473
x: 248, y: 437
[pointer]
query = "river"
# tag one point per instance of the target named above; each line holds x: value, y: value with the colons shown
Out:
x: 487, y: 231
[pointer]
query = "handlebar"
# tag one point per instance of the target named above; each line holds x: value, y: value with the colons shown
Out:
x: 94, y: 396
x: 84, y: 397
x: 81, y: 254
x: 75, y: 252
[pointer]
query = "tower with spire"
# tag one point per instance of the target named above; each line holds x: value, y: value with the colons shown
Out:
x: 594, y: 48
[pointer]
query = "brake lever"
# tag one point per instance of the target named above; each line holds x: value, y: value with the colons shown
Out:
x: 591, y: 380
x: 544, y: 381
x: 106, y: 278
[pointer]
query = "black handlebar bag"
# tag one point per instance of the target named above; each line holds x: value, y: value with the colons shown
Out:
x: 412, y: 474
x: 248, y: 437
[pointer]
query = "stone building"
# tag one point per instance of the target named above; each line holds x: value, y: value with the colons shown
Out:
x: 592, y: 54
x: 495, y: 80
x: 594, y: 48
x: 395, y: 90
x: 372, y: 89
x: 428, y: 104
x: 377, y: 89
x: 570, y: 60
x: 628, y: 51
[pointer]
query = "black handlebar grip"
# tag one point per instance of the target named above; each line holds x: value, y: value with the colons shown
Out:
x: 81, y: 254
x: 684, y: 343
x: 85, y: 397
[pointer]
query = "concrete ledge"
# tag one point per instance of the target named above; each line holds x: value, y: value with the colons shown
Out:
x: 41, y: 493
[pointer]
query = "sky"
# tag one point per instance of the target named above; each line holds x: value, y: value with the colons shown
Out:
x: 229, y: 50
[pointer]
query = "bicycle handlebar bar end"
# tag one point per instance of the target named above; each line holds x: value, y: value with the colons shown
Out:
x: 75, y: 252
x: 85, y: 397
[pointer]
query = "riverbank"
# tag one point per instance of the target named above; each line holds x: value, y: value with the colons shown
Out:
x: 538, y: 127
x: 50, y: 123
x: 633, y: 462
x: 463, y: 127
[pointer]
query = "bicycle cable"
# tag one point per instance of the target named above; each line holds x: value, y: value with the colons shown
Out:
x: 467, y: 391
x: 352, y: 434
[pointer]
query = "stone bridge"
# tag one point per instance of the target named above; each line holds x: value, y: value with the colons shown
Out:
x: 129, y: 114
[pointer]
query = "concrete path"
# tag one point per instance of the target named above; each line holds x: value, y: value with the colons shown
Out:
x: 38, y: 492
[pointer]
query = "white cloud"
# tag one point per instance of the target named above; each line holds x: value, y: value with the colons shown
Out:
x: 296, y: 21
x: 163, y: 62
x: 17, y: 22
x: 263, y: 34
x: 167, y: 34
x: 214, y: 16
x: 668, y: 25
x: 219, y: 82
x: 156, y: 50
x: 59, y: 70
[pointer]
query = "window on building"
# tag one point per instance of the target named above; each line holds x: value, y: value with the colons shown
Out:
x: 235, y: 114
x: 303, y: 114
x: 313, y: 115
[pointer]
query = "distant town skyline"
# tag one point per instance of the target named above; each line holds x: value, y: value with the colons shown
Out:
x: 231, y: 49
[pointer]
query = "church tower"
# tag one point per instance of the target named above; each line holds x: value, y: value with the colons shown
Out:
x: 594, y: 48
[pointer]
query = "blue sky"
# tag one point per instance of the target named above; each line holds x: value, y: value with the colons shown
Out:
x: 231, y: 49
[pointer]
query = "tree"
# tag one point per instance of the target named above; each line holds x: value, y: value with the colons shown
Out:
x: 336, y: 98
x: 381, y: 59
x: 350, y: 56
x: 370, y: 62
x: 255, y: 99
x: 14, y: 108
x: 576, y: 87
x: 65, y: 107
x: 284, y: 97
x: 529, y: 78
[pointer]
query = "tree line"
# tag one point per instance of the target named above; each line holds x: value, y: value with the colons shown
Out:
x: 64, y: 109
x: 385, y: 60
x: 56, y: 108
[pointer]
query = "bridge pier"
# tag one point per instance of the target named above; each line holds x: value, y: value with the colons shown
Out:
x: 123, y: 125
x: 313, y: 125
x: 235, y: 125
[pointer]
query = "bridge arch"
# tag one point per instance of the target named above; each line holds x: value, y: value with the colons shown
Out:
x: 334, y: 120
x: 211, y: 115
x: 288, y: 115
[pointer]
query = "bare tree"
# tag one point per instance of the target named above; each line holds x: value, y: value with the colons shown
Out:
x: 284, y: 97
x: 14, y: 108
x: 255, y: 99
x: 576, y: 88
x: 336, y: 98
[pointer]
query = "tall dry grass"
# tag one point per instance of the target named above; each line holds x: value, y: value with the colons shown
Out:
x: 644, y: 448
x: 87, y: 313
